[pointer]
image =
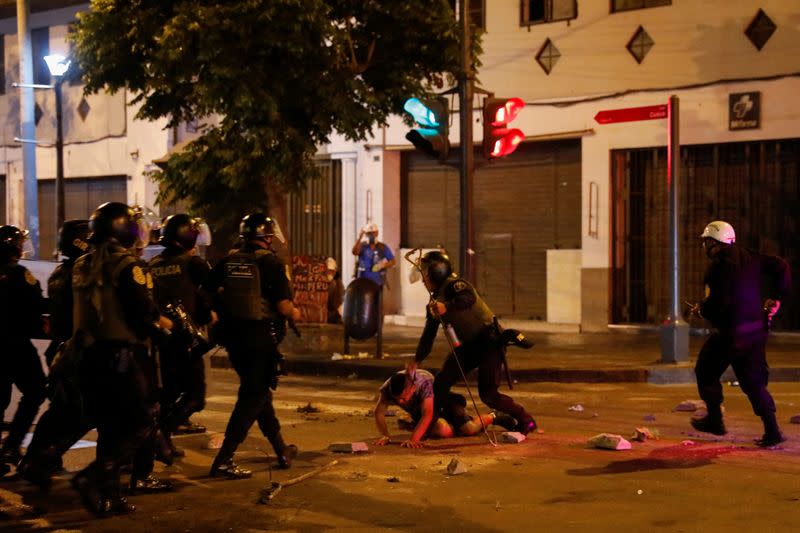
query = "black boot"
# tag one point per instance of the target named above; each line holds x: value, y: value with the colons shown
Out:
x: 772, y: 433
x: 526, y: 424
x: 149, y: 485
x: 85, y: 483
x: 286, y: 456
x: 224, y: 466
x: 505, y: 421
x: 709, y: 424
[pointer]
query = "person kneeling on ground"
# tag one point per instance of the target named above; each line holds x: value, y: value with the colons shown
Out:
x: 413, y: 392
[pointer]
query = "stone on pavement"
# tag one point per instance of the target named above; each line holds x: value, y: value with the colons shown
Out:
x: 456, y: 467
x: 795, y: 419
x: 578, y: 408
x: 512, y: 437
x: 642, y: 434
x: 690, y: 406
x: 610, y: 441
x: 349, y: 447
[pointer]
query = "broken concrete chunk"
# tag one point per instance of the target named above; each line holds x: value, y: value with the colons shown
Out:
x: 795, y: 419
x: 308, y: 408
x: 512, y: 437
x: 348, y: 447
x: 456, y: 467
x: 578, y: 408
x: 642, y: 434
x: 393, y: 479
x: 690, y: 405
x: 609, y: 441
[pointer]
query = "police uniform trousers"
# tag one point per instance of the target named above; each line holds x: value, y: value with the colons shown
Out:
x: 118, y: 389
x: 20, y: 366
x: 253, y: 354
x: 184, y: 382
x: 745, y: 353
x: 485, y: 354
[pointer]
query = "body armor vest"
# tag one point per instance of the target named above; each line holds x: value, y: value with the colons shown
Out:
x: 59, y: 292
x: 243, y: 298
x: 467, y: 323
x: 172, y: 282
x: 97, y: 309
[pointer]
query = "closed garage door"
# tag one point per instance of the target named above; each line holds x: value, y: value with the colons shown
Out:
x: 81, y: 197
x: 524, y: 205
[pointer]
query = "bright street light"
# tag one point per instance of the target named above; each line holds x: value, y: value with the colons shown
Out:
x: 58, y: 66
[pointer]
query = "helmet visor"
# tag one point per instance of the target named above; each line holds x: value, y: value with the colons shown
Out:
x: 276, y: 231
x: 27, y: 245
x: 203, y: 233
x: 142, y: 232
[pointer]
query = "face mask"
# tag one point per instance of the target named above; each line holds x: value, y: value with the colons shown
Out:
x: 371, y: 239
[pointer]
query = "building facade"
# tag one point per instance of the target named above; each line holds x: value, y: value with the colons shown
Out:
x: 571, y: 228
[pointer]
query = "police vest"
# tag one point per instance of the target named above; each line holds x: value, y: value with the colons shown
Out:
x: 243, y: 298
x: 59, y: 292
x: 97, y: 309
x: 172, y: 282
x: 468, y: 323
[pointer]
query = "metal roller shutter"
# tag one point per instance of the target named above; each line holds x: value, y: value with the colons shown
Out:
x: 524, y: 205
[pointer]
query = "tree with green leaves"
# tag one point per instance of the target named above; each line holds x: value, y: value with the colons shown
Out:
x: 279, y: 77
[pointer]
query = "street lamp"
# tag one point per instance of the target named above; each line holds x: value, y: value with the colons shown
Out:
x: 58, y: 66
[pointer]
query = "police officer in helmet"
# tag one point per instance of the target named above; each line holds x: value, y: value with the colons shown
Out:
x: 253, y: 298
x: 471, y: 327
x: 178, y: 272
x: 743, y: 292
x: 21, y: 306
x: 115, y: 316
x: 62, y: 424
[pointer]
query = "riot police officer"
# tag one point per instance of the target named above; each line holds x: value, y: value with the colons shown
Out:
x: 253, y: 299
x: 21, y: 307
x: 471, y: 327
x: 178, y: 274
x: 743, y: 292
x: 72, y: 243
x: 63, y: 423
x: 115, y: 315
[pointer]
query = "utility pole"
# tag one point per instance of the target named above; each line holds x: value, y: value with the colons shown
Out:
x: 27, y: 122
x: 466, y: 84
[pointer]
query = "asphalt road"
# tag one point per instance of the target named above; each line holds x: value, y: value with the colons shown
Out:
x: 552, y: 482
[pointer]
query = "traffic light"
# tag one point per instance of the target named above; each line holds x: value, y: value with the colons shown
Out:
x: 433, y: 115
x: 498, y: 139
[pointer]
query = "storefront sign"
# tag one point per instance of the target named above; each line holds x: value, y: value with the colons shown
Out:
x: 744, y: 111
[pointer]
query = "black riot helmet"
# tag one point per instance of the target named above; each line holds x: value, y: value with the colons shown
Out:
x: 73, y: 238
x: 258, y: 226
x: 12, y: 240
x: 185, y: 232
x: 115, y: 221
x: 436, y: 266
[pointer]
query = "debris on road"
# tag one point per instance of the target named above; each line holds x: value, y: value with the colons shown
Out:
x: 795, y: 419
x: 642, y: 434
x: 352, y: 376
x: 578, y: 408
x: 687, y: 442
x: 610, y: 441
x: 640, y: 492
x: 349, y: 447
x: 456, y: 467
x: 690, y: 406
x: 512, y: 437
x: 269, y: 492
x: 308, y: 408
x: 393, y: 479
x: 649, y: 418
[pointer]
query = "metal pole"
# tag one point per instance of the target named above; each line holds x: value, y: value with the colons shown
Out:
x: 27, y: 122
x: 466, y: 87
x: 60, y: 208
x: 674, y: 331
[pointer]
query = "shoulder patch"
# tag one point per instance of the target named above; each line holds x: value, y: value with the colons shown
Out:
x: 30, y: 278
x: 149, y: 281
x: 459, y: 286
x: 138, y: 275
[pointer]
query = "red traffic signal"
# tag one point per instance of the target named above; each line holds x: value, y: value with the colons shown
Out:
x: 498, y: 139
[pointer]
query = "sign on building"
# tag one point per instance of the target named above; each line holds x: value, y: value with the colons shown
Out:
x: 744, y: 111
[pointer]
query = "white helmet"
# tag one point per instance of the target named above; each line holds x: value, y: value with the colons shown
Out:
x: 719, y: 231
x: 370, y: 228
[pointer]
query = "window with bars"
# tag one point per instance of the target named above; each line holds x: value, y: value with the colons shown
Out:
x: 543, y: 11
x: 477, y: 12
x: 627, y: 5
